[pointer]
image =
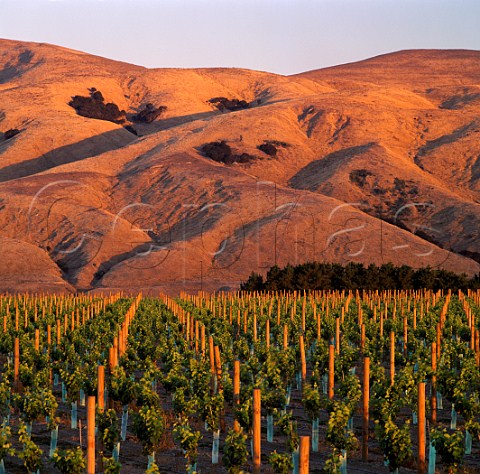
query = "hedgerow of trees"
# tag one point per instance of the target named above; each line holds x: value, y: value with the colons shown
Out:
x: 356, y: 276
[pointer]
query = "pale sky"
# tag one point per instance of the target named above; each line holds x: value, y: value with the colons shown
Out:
x: 281, y: 36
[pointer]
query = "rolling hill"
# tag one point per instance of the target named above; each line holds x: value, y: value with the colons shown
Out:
x: 105, y: 182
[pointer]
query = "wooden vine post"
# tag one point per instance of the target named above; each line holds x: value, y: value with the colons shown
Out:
x: 477, y: 346
x: 212, y: 362
x: 304, y: 467
x: 91, y: 435
x: 187, y: 330
x: 236, y: 390
x: 267, y: 333
x: 37, y: 340
x: 331, y: 370
x: 202, y: 340
x: 337, y: 335
x: 439, y: 339
x: 392, y: 357
x: 256, y: 430
x: 197, y: 336
x: 421, y: 428
x: 319, y: 323
x: 366, y: 401
x: 362, y: 338
x: 115, y: 350
x: 16, y: 361
x: 434, y: 382
x: 218, y: 367
x: 303, y: 314
x: 101, y: 388
x: 303, y: 360
x: 112, y: 363
x: 59, y: 332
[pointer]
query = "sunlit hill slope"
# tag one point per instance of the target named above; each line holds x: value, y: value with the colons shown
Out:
x: 375, y: 161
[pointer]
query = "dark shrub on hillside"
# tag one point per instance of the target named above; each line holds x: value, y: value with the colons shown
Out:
x: 222, y: 103
x: 94, y: 107
x: 217, y: 151
x: 149, y: 113
x: 222, y: 153
x: 400, y: 184
x: 268, y: 148
x: 97, y: 96
x: 11, y: 133
x: 359, y: 177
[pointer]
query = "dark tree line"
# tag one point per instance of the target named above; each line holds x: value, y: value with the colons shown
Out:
x: 356, y: 276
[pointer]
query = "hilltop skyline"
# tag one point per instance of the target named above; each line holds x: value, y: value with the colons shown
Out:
x: 283, y: 37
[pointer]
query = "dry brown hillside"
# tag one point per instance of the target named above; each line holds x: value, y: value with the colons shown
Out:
x: 375, y: 161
